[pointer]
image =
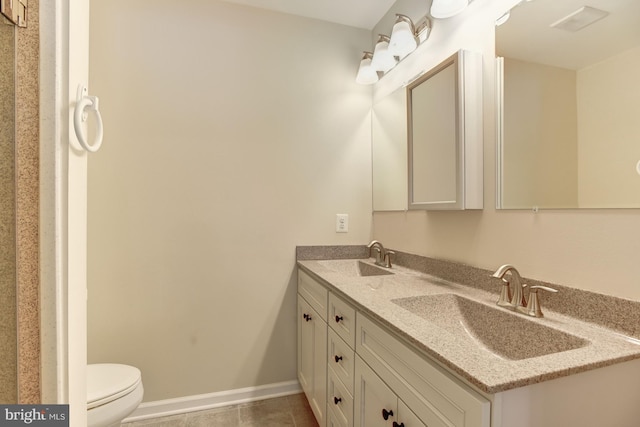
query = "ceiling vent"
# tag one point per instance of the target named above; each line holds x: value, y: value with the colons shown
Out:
x: 579, y: 19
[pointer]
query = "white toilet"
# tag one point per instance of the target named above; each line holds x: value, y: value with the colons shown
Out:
x: 113, y: 392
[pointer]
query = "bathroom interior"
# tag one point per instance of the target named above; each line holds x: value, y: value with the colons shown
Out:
x: 234, y: 134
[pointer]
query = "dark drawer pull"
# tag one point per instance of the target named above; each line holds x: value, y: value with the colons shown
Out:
x: 337, y: 400
x: 339, y: 318
x: 386, y: 414
x: 338, y: 358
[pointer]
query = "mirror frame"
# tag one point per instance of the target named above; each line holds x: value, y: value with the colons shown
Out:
x: 469, y: 133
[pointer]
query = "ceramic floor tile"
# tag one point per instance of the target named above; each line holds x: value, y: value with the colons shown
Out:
x: 302, y: 413
x: 215, y: 417
x: 273, y: 419
x: 171, y: 421
x: 287, y: 411
x: 263, y: 408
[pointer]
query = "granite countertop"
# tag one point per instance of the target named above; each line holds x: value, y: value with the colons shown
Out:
x: 396, y: 302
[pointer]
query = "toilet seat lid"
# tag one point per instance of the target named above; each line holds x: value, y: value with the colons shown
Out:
x: 107, y: 382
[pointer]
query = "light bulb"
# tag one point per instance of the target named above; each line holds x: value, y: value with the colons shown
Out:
x: 366, y: 74
x: 442, y: 9
x: 383, y: 60
x: 403, y: 40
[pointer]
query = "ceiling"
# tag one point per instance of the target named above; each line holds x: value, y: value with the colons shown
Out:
x: 355, y: 13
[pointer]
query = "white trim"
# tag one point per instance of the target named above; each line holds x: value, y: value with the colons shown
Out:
x: 200, y: 402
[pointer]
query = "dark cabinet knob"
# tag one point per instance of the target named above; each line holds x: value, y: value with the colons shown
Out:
x: 338, y: 358
x: 337, y: 400
x: 306, y: 317
x: 386, y: 414
x: 395, y: 424
x: 339, y: 318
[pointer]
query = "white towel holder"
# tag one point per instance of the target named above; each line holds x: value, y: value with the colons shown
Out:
x: 86, y: 103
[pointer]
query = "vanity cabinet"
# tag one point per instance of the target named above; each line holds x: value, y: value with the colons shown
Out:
x: 354, y: 372
x: 312, y: 343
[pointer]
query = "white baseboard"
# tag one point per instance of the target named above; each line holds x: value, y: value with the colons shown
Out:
x: 200, y: 402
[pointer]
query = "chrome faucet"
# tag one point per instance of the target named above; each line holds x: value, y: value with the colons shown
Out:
x: 517, y: 301
x: 383, y: 256
x: 507, y: 299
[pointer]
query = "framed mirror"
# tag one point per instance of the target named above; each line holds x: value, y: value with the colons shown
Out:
x: 568, y: 129
x: 444, y: 114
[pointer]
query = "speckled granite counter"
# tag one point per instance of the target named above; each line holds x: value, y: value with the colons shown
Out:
x: 389, y: 299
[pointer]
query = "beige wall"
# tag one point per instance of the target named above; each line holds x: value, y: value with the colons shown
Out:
x: 231, y: 136
x: 609, y: 125
x: 588, y: 249
x: 540, y: 127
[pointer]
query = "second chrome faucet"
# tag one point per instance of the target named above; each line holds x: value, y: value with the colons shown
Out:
x: 382, y: 255
x: 517, y: 301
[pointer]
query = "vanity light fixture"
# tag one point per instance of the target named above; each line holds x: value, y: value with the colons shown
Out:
x: 383, y: 60
x: 442, y: 9
x: 389, y: 51
x: 403, y: 37
x: 366, y: 73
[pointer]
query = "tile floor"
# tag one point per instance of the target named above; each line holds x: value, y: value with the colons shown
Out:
x: 287, y: 411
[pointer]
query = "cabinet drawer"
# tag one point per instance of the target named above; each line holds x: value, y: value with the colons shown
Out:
x: 314, y: 292
x: 342, y: 319
x: 334, y: 420
x: 339, y: 400
x: 340, y: 358
x: 434, y: 396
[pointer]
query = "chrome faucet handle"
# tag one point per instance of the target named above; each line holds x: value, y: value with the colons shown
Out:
x: 505, y: 294
x: 387, y: 258
x: 533, y: 306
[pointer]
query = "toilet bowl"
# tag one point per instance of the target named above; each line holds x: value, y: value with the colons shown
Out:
x: 113, y: 392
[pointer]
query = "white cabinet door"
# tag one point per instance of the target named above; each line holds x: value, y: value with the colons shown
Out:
x: 406, y: 417
x: 312, y: 362
x: 375, y: 405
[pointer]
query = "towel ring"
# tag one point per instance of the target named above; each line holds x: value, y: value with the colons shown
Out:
x: 86, y: 103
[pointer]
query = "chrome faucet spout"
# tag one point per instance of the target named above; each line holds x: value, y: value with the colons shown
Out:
x: 375, y: 243
x: 381, y: 253
x: 517, y: 298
